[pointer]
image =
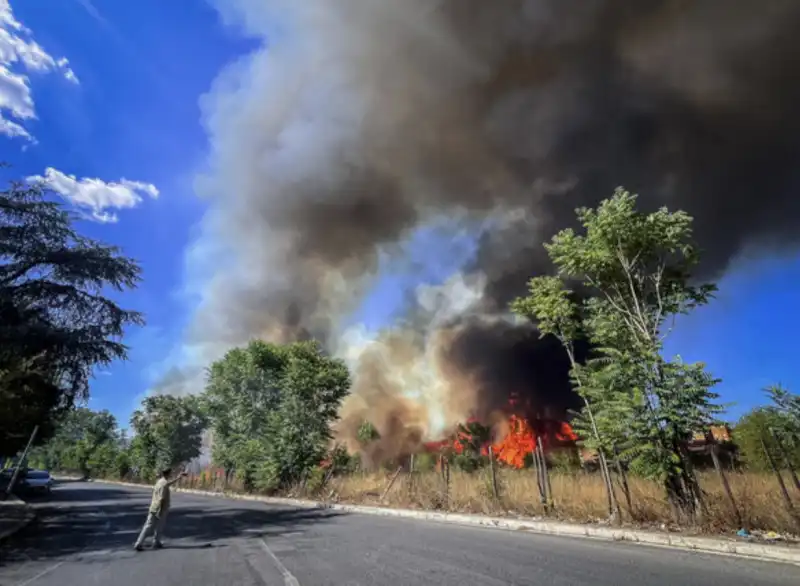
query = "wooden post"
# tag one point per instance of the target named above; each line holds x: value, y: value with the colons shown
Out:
x: 495, y: 494
x: 714, y: 448
x: 784, y: 492
x: 623, y: 479
x: 411, y: 476
x: 539, y: 480
x: 537, y: 473
x: 447, y: 484
x: 546, y: 476
x: 391, y: 482
x: 613, y: 504
x: 328, y: 475
x: 303, y: 482
x: 786, y: 459
x: 21, y: 461
x: 605, y: 472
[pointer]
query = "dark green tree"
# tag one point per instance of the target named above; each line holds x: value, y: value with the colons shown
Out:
x: 779, y: 421
x: 84, y: 441
x: 242, y: 389
x: 473, y: 438
x: 554, y: 308
x: 169, y: 432
x: 271, y: 410
x: 56, y: 324
x: 635, y: 271
x: 367, y: 433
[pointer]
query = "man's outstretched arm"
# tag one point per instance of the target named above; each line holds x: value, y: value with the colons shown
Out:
x: 177, y: 478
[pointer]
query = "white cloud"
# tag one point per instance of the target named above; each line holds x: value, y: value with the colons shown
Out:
x: 12, y: 129
x: 19, y: 51
x: 96, y: 195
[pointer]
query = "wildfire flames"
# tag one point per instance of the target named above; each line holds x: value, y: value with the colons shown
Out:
x: 521, y: 439
x: 519, y: 435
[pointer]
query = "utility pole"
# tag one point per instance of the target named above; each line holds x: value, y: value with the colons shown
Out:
x: 10, y: 487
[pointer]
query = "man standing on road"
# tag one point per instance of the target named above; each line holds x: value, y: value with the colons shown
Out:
x: 159, y: 508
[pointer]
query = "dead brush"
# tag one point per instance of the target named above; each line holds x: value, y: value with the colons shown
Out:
x: 577, y: 497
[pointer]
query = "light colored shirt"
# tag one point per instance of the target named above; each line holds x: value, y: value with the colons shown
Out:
x: 160, y: 502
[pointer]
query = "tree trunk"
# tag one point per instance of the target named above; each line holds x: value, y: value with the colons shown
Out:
x: 721, y: 473
x: 786, y: 459
x: 613, y: 503
x: 623, y: 478
x: 697, y: 500
x: 785, y: 493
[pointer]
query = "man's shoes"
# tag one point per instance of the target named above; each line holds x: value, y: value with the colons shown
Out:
x: 137, y: 547
x: 158, y: 545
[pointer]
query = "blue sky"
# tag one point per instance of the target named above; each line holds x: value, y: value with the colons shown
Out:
x: 118, y: 126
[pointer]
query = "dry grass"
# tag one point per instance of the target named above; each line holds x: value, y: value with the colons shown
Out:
x: 577, y: 497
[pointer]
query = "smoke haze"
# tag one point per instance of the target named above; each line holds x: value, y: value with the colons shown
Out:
x: 359, y: 121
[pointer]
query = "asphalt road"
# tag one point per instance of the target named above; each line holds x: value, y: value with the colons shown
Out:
x: 85, y: 533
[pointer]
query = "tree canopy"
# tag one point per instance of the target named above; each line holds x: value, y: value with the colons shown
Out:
x: 271, y: 409
x: 56, y: 324
x: 765, y: 426
x: 84, y: 441
x: 169, y: 432
x: 633, y: 273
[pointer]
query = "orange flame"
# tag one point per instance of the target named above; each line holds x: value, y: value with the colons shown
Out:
x: 519, y: 440
x: 517, y: 444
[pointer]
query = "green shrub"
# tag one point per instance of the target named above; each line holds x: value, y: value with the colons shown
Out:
x: 424, y: 462
x: 316, y: 479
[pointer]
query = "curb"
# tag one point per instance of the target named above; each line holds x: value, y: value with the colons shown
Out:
x: 30, y: 515
x: 757, y: 551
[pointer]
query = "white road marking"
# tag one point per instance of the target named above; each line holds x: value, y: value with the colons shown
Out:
x: 288, y: 578
x: 41, y: 574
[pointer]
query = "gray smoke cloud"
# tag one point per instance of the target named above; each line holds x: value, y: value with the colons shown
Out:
x: 357, y: 121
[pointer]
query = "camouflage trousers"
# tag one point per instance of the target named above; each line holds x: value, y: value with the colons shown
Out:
x: 155, y: 525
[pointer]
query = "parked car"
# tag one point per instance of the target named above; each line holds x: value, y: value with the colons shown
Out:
x: 36, y: 481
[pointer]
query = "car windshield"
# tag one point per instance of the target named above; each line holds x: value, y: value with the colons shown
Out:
x: 36, y: 474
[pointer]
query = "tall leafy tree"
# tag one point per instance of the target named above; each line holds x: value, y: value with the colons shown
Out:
x: 636, y: 274
x: 56, y: 324
x: 169, y: 432
x: 82, y: 435
x: 242, y: 389
x: 753, y: 428
x: 770, y: 424
x: 271, y: 409
x: 557, y: 313
x: 367, y: 433
x: 84, y: 440
x: 313, y: 386
x: 787, y: 404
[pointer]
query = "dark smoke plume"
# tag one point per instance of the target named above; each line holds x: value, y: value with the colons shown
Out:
x: 359, y: 121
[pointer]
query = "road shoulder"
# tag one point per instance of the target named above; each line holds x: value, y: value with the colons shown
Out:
x: 15, y: 515
x: 721, y: 546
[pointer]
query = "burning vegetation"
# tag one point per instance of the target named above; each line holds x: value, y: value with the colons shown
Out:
x: 512, y: 440
x: 364, y: 124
